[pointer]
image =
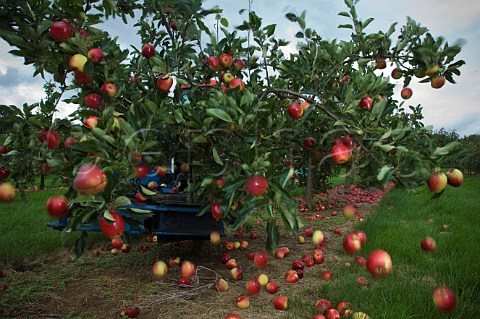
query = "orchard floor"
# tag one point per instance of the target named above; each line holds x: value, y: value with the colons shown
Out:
x: 101, y: 286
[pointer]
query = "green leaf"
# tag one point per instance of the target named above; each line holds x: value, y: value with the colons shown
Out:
x: 80, y: 244
x: 224, y: 22
x: 445, y: 149
x: 121, y: 201
x: 273, y: 235
x: 367, y: 22
x: 383, y: 172
x: 344, y: 14
x: 220, y: 114
x: 384, y: 147
x: 146, y: 191
x: 345, y: 26
x: 216, y: 157
x: 140, y: 211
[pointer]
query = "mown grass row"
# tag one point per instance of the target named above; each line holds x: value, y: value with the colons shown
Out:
x: 398, y: 226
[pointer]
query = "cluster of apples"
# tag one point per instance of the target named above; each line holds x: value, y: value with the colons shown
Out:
x: 438, y: 180
x: 223, y: 64
x: 187, y: 269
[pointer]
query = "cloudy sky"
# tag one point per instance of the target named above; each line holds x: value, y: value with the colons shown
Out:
x: 452, y: 107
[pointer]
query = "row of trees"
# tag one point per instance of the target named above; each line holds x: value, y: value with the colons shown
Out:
x: 248, y: 124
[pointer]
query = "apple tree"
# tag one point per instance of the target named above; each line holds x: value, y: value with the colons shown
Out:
x: 141, y: 106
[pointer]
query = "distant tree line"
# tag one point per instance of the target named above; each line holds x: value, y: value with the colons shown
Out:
x: 470, y: 163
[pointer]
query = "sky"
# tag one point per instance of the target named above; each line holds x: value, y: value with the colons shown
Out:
x: 455, y: 106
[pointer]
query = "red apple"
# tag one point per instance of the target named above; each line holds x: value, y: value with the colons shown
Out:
x: 61, y: 31
x: 220, y: 182
x: 237, y: 82
x: 295, y: 110
x: 437, y: 182
x: 229, y: 245
x: 351, y: 243
x: 160, y: 170
x: 279, y: 254
x: 406, y: 93
x: 184, y: 281
x: 444, y: 299
x: 332, y: 314
x: 141, y: 170
x: 164, y: 82
x: 348, y: 142
x: 148, y: 50
x: 109, y: 89
x: 226, y: 60
x: 366, y: 102
x: 95, y: 55
x: 239, y: 64
x: 188, y: 269
x: 82, y: 78
x: 379, y: 263
x: 159, y: 269
x: 116, y: 242
x: 381, y: 64
x: 309, y: 143
x: 280, y: 302
x: 93, y: 100
x: 4, y: 173
x: 112, y: 229
x: 285, y: 250
x: 236, y: 273
x: 397, y: 73
x: 132, y: 312
x: 221, y: 285
x: 232, y: 316
x: 271, y: 287
x: 53, y: 140
x: 454, y: 177
x: 342, y: 307
x: 428, y: 244
x: 309, y: 232
x: 359, y: 260
x: 225, y: 257
x: 3, y: 149
x: 257, y: 185
x: 327, y: 275
x: 90, y: 179
x: 7, y: 192
x: 216, y: 211
x: 291, y: 276
x: 318, y: 257
x: 322, y: 305
x: 252, y: 286
x: 213, y: 63
x: 125, y: 248
x: 260, y: 259
x: 437, y: 82
x: 174, y: 261
x: 231, y: 263
x: 297, y: 264
x: 242, y: 302
x: 57, y: 206
x: 340, y: 153
x: 91, y: 122
x: 361, y: 236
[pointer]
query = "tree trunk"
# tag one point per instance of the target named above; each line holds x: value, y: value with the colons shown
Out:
x: 310, y: 177
x: 42, y: 181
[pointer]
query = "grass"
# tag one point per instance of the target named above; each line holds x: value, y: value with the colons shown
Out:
x: 398, y: 226
x: 24, y: 234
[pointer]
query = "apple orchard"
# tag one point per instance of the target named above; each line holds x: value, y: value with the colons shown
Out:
x: 244, y: 121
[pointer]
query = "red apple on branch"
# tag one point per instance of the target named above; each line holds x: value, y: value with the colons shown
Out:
x: 437, y: 182
x: 95, y: 55
x: 77, y: 62
x: 406, y: 93
x: 226, y: 60
x: 148, y: 50
x: 213, y: 63
x: 454, y: 177
x: 61, y: 31
x: 366, y: 102
x: 257, y: 185
x: 112, y: 229
x: 109, y: 89
x: 90, y: 179
x: 57, y: 206
x: 340, y: 153
x: 295, y: 110
x: 93, y: 100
